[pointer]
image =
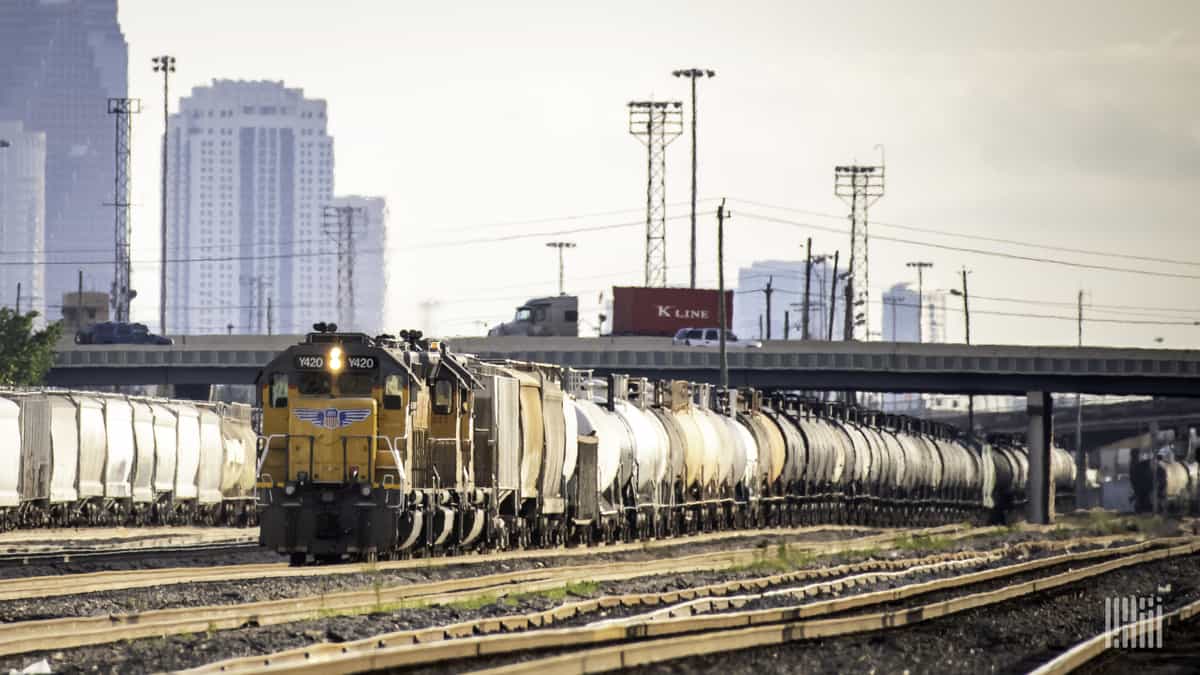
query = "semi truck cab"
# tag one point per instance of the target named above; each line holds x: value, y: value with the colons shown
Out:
x: 556, y: 316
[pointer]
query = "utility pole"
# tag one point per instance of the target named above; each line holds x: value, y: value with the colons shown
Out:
x: 786, y: 320
x: 833, y: 295
x: 768, y: 291
x: 721, y: 216
x: 967, y: 333
x: 166, y: 65
x: 560, y: 245
x: 694, y: 74
x: 123, y: 109
x: 920, y: 267
x: 1080, y: 455
x: 860, y: 187
x: 656, y: 124
x: 270, y: 322
x: 807, y: 287
x: 340, y: 224
x: 79, y: 303
x: 254, y: 311
x: 18, y: 298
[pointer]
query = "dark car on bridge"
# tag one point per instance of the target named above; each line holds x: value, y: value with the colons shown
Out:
x: 119, y: 333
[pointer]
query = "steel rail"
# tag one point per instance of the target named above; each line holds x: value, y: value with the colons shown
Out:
x: 732, y: 636
x: 59, y: 585
x: 716, y: 592
x: 68, y: 632
x: 1085, y: 651
x: 66, y: 556
x: 427, y: 646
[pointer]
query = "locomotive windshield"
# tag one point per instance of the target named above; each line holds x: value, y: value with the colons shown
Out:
x: 314, y: 384
x: 356, y: 384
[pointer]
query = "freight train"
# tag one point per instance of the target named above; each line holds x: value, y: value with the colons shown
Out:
x: 396, y: 446
x: 90, y: 458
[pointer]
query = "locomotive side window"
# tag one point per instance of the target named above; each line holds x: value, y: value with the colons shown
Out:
x: 315, y: 384
x: 356, y: 384
x: 393, y: 393
x: 279, y: 390
x: 443, y: 397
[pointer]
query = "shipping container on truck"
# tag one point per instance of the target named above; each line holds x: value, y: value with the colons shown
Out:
x: 663, y: 311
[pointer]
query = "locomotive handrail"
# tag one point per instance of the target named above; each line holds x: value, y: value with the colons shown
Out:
x: 266, y: 441
x: 391, y: 444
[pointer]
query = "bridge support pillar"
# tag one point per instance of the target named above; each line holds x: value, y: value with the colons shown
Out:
x: 1040, y: 490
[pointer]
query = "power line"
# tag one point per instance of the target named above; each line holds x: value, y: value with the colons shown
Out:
x: 434, y: 245
x: 1063, y: 317
x: 978, y: 237
x: 997, y: 254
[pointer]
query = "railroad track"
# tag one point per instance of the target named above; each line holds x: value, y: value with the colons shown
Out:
x: 64, y: 633
x: 95, y: 582
x: 1088, y: 650
x: 690, y: 627
x: 77, y: 555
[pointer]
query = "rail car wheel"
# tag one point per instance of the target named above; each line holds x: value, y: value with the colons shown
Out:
x: 297, y: 559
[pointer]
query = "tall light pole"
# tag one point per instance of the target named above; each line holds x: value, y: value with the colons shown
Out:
x: 560, y: 245
x: 166, y: 65
x: 694, y: 74
x: 920, y: 267
x: 722, y: 214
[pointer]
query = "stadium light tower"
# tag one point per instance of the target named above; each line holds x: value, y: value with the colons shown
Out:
x: 656, y: 124
x: 860, y: 187
x: 694, y: 74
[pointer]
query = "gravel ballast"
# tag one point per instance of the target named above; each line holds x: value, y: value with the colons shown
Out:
x: 192, y: 650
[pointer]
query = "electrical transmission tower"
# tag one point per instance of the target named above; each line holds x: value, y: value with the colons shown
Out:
x: 344, y: 224
x: 656, y: 124
x: 123, y: 110
x: 860, y: 187
x: 259, y: 301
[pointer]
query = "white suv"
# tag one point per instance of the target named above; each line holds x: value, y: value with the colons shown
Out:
x: 708, y: 337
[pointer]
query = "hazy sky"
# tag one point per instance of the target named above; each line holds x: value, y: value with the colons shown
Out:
x: 1069, y: 124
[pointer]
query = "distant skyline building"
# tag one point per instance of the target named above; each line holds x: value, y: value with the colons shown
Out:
x: 250, y: 172
x: 370, y: 264
x: 787, y: 283
x: 60, y: 62
x: 22, y: 217
x: 902, y: 315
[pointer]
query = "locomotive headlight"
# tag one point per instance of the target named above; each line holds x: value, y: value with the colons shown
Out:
x: 335, y: 359
x: 365, y: 490
x: 289, y: 489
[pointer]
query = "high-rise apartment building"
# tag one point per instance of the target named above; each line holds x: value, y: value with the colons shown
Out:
x: 900, y: 314
x: 22, y: 217
x: 787, y: 279
x: 906, y: 319
x: 368, y: 311
x: 60, y: 62
x: 250, y: 172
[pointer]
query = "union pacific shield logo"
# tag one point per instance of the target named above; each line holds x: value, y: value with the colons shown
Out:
x: 332, y: 418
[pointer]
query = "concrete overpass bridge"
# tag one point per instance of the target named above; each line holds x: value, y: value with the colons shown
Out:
x: 813, y: 365
x: 1034, y: 372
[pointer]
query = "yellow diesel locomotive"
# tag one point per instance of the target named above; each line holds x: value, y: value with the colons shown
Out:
x: 344, y: 416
